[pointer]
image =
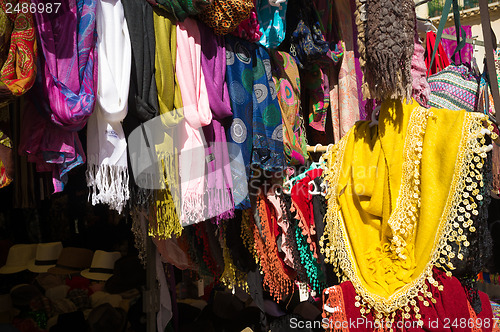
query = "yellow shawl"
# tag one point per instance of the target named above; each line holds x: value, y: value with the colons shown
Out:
x: 167, y: 201
x: 394, y: 194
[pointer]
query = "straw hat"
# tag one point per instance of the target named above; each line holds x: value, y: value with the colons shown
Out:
x: 20, y: 256
x: 72, y: 260
x: 46, y: 256
x: 102, y: 265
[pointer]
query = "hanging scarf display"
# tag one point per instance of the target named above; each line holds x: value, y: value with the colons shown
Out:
x: 143, y: 95
x: 167, y: 199
x: 6, y: 145
x: 18, y: 51
x: 220, y: 202
x: 107, y: 171
x: 224, y: 16
x: 345, y: 96
x: 231, y: 276
x: 385, y: 41
x: 239, y: 80
x: 441, y: 60
x: 448, y: 306
x: 287, y: 81
x: 267, y: 152
x: 6, y: 26
x: 196, y: 114
x: 249, y: 29
x: 421, y: 91
x: 66, y: 93
x: 181, y: 9
x: 276, y: 280
x: 405, y: 188
x: 272, y: 22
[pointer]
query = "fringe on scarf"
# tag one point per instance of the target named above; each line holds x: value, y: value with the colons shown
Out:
x: 167, y: 220
x: 192, y: 208
x: 220, y: 204
x: 386, y: 30
x: 108, y: 184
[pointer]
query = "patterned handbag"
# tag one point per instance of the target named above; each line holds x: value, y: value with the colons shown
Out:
x: 455, y: 88
x: 307, y: 42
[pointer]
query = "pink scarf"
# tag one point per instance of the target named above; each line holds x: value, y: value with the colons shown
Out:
x: 196, y: 114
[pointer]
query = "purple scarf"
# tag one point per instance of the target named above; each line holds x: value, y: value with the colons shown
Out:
x: 66, y: 87
x: 219, y: 181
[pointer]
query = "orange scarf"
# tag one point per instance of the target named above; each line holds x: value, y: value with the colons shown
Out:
x: 18, y: 73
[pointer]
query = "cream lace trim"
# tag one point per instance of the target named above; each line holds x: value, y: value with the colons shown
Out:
x: 456, y: 217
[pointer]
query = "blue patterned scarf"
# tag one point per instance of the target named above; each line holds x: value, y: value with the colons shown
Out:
x: 256, y: 133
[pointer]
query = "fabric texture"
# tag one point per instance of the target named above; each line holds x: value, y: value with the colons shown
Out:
x: 455, y: 88
x: 404, y: 187
x: 65, y: 97
x: 449, y: 305
x: 249, y: 29
x: 287, y: 80
x: 107, y: 169
x: 197, y: 114
x: 18, y: 52
x: 272, y: 23
x: 465, y: 55
x: 181, y: 9
x: 167, y: 132
x: 267, y: 152
x: 385, y: 41
x: 441, y: 60
x: 239, y: 79
x: 220, y: 203
x: 420, y: 87
x: 224, y: 16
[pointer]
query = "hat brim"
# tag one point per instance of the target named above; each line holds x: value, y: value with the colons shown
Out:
x: 40, y: 268
x: 12, y: 269
x: 61, y: 270
x: 117, y: 285
x: 95, y: 275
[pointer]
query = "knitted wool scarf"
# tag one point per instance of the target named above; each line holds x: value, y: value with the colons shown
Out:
x: 69, y: 81
x: 385, y: 41
x: 107, y: 171
x: 17, y: 66
x: 197, y: 114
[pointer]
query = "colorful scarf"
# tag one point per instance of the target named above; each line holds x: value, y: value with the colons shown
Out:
x: 6, y: 26
x: 267, y: 152
x: 272, y: 23
x: 249, y: 29
x: 340, y: 306
x: 403, y: 185
x: 196, y: 114
x: 107, y: 171
x: 224, y: 16
x: 167, y: 200
x: 256, y: 133
x: 276, y: 280
x: 287, y: 80
x: 17, y: 67
x: 239, y: 78
x: 345, y: 96
x: 421, y: 91
x: 181, y: 9
x: 66, y: 94
x: 6, y: 156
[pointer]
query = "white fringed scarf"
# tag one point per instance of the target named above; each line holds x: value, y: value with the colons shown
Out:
x: 107, y: 173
